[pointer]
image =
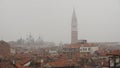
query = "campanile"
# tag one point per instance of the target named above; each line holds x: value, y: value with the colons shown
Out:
x: 74, y: 30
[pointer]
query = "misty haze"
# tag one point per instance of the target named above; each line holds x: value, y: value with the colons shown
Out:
x: 59, y: 34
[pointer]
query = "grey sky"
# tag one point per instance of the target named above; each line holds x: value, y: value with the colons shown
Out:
x: 98, y: 20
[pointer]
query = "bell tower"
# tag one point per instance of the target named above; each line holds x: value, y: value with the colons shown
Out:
x: 74, y: 30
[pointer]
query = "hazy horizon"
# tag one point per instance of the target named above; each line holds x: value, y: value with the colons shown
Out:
x: 98, y: 20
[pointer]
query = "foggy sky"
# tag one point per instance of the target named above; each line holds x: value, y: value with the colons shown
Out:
x: 98, y: 20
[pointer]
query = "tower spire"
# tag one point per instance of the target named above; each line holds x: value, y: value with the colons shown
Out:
x: 74, y: 32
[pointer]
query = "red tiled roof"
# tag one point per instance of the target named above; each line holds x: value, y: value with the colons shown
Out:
x: 6, y: 64
x: 102, y: 54
x: 115, y: 52
x: 62, y: 63
x: 18, y: 65
x: 23, y: 61
x: 4, y: 49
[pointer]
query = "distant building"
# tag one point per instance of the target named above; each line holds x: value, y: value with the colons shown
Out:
x: 74, y: 32
x: 12, y: 51
x: 79, y: 49
x: 30, y: 39
x: 82, y: 41
x: 89, y: 49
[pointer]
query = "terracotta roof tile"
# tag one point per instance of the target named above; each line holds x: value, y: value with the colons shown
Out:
x: 62, y: 63
x: 6, y: 64
x: 115, y: 52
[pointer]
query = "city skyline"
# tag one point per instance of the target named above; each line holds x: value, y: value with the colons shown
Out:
x: 97, y: 20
